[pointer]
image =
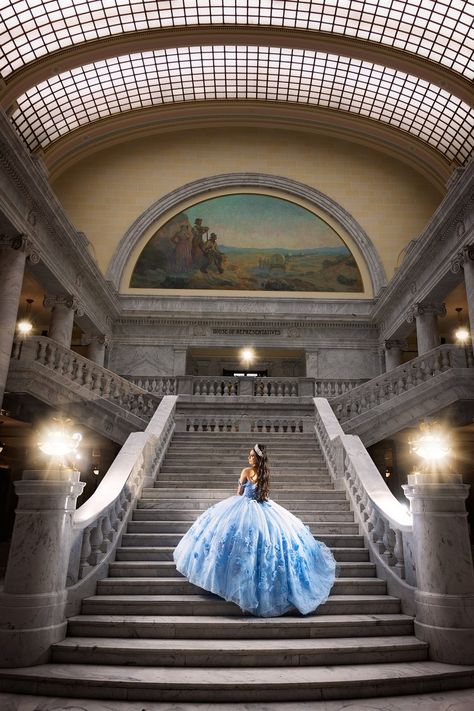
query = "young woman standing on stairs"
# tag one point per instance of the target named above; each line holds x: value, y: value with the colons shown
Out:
x: 250, y: 550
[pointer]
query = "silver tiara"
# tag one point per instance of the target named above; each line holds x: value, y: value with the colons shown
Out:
x: 257, y: 450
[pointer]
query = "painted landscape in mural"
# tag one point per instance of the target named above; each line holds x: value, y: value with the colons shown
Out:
x: 247, y: 242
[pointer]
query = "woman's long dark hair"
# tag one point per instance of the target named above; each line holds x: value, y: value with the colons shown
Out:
x: 263, y: 474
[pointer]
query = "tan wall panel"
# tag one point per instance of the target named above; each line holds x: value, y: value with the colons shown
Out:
x: 104, y: 193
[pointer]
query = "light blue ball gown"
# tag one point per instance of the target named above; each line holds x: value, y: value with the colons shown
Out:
x: 258, y: 555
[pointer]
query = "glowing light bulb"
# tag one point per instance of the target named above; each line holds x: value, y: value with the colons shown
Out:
x: 24, y: 327
x: 462, y: 335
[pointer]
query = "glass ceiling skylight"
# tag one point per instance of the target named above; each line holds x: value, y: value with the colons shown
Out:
x: 77, y: 97
x: 441, y: 31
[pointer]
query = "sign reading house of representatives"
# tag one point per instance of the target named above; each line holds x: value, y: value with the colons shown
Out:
x: 247, y: 331
x: 247, y: 242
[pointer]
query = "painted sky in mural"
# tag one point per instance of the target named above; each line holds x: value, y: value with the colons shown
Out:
x: 247, y: 242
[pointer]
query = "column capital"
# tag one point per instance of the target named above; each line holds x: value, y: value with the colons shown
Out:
x: 101, y: 339
x: 463, y: 257
x: 21, y: 243
x: 395, y: 343
x: 422, y: 309
x: 71, y: 302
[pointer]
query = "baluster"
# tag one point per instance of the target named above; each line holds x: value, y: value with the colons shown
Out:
x: 86, y: 550
x: 378, y: 533
x: 398, y: 554
x: 87, y: 376
x: 79, y: 374
x: 371, y: 516
x: 96, y: 540
x: 388, y: 542
x: 107, y: 532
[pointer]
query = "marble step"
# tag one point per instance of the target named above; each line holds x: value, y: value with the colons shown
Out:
x: 146, y: 510
x: 229, y: 482
x: 181, y: 586
x: 161, y: 569
x: 335, y: 527
x: 165, y: 553
x: 337, y: 540
x: 198, y: 506
x: 207, y: 498
x: 220, y: 685
x: 169, y: 470
x: 206, y: 604
x: 288, y: 463
x: 181, y: 525
x: 235, y: 457
x: 214, y: 495
x: 202, y: 627
x: 238, y: 653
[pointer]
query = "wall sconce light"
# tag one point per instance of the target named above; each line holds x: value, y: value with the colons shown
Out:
x: 25, y: 325
x: 2, y: 446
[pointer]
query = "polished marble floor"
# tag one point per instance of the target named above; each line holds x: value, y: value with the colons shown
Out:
x: 442, y: 701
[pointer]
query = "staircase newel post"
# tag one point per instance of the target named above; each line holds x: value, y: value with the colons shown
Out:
x: 32, y: 605
x: 445, y: 577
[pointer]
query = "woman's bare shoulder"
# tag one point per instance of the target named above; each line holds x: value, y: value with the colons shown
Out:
x: 244, y: 474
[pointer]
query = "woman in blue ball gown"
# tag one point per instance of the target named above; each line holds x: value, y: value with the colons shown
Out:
x: 250, y: 550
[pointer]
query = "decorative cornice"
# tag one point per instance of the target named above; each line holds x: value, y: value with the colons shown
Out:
x: 35, y: 210
x: 245, y: 180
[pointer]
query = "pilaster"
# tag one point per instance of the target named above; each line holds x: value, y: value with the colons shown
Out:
x: 32, y: 605
x: 445, y: 577
x: 63, y: 309
x: 426, y: 318
x: 14, y: 251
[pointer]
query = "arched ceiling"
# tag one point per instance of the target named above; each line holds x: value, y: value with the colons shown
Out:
x: 406, y: 65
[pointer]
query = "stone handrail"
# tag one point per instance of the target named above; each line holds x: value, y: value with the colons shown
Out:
x: 224, y: 386
x: 81, y: 371
x: 399, y: 380
x: 99, y: 523
x: 385, y: 522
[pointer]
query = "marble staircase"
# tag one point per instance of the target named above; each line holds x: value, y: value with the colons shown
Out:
x: 148, y: 634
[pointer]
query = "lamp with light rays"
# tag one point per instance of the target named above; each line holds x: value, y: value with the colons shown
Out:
x: 59, y: 442
x: 432, y: 445
x: 25, y: 325
x: 247, y: 356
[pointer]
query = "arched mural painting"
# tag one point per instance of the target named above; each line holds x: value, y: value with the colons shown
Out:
x: 247, y: 242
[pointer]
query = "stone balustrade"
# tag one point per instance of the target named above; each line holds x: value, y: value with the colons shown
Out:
x: 82, y: 372
x: 400, y: 380
x: 238, y: 423
x: 385, y: 522
x: 222, y: 386
x: 99, y: 523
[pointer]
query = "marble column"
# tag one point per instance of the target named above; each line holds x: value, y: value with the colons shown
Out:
x: 426, y: 318
x: 96, y: 349
x: 393, y: 353
x: 445, y: 577
x: 32, y: 605
x: 62, y: 318
x: 13, y: 254
x: 465, y: 261
x: 179, y: 363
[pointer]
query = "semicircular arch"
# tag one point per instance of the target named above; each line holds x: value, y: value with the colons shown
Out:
x: 204, y: 186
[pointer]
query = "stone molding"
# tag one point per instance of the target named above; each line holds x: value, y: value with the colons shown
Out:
x: 245, y: 180
x: 32, y: 207
x: 395, y: 343
x: 429, y: 260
